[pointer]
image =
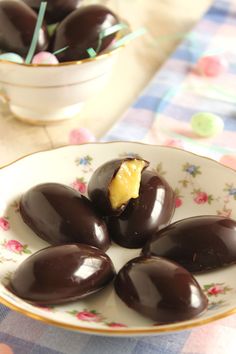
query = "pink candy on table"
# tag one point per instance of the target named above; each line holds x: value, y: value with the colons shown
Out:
x: 45, y: 58
x: 211, y: 65
x: 80, y: 136
x: 229, y: 160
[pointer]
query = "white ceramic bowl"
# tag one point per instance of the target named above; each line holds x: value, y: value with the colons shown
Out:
x: 43, y: 94
x: 209, y: 188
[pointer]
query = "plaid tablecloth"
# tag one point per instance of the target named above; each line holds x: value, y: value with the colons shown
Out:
x: 160, y: 115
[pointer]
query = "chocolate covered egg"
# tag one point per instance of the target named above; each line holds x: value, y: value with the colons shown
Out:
x: 60, y: 274
x: 198, y: 243
x: 56, y: 10
x: 59, y: 215
x: 80, y: 31
x: 160, y: 289
x: 144, y: 215
x: 115, y: 183
x: 17, y: 25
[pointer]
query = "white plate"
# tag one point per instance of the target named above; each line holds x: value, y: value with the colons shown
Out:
x: 202, y: 187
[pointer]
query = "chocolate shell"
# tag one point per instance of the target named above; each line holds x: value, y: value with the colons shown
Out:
x: 98, y: 187
x: 59, y: 215
x: 160, y: 289
x: 198, y: 243
x: 80, y: 31
x: 17, y: 24
x: 56, y: 10
x: 151, y: 211
x: 61, y: 274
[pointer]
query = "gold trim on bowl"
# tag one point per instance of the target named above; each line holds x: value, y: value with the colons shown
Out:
x: 43, y: 122
x: 55, y: 86
x: 75, y: 62
x: 100, y: 56
x: 127, y: 331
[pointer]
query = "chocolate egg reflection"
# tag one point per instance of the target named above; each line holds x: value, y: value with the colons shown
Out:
x: 152, y: 210
x: 160, y: 289
x: 56, y: 10
x: 17, y: 24
x: 114, y: 183
x: 63, y: 273
x: 80, y: 31
x: 198, y: 243
x: 58, y: 214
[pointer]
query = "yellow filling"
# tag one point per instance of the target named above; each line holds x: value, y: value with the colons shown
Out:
x: 125, y: 185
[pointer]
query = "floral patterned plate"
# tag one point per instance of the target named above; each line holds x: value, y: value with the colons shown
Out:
x: 202, y: 186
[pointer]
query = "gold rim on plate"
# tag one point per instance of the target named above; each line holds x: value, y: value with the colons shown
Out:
x: 139, y: 331
x: 155, y: 330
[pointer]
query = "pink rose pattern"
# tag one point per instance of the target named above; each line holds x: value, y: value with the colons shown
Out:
x: 89, y: 316
x: 201, y: 197
x: 215, y: 290
x: 4, y: 223
x: 94, y: 316
x: 79, y: 185
x: 16, y: 247
x: 178, y: 198
x: 178, y: 202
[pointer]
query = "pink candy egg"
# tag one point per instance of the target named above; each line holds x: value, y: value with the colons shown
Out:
x: 80, y: 136
x: 229, y: 160
x: 45, y: 58
x: 211, y: 65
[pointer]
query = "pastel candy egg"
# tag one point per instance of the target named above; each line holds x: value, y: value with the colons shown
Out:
x: 80, y: 136
x: 45, y: 58
x: 229, y: 160
x: 16, y: 58
x: 212, y: 65
x: 206, y: 124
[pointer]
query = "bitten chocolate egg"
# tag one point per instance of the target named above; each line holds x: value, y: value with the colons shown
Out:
x: 151, y: 211
x: 114, y: 183
x: 58, y: 214
x: 17, y: 24
x: 198, y: 243
x: 80, y: 31
x: 56, y: 10
x: 61, y: 274
x: 160, y: 289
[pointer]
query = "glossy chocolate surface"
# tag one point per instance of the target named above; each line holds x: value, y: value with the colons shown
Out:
x: 59, y: 214
x: 80, y: 31
x: 17, y: 24
x: 99, y: 183
x: 56, y: 10
x: 152, y: 210
x: 199, y: 243
x: 160, y: 289
x: 61, y: 274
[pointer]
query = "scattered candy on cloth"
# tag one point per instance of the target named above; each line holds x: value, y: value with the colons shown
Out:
x: 162, y: 115
x: 191, y: 101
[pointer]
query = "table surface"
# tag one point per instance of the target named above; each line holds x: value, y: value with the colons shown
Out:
x: 135, y: 66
